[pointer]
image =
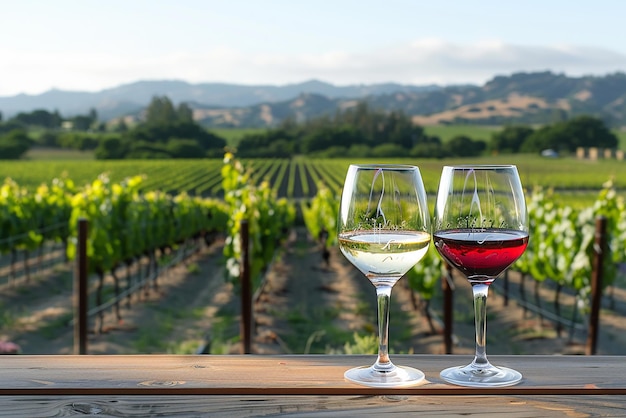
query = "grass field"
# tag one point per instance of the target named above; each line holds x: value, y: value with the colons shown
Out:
x: 234, y: 135
x: 476, y: 132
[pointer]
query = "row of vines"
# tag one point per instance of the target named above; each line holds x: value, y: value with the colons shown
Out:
x: 136, y: 217
x: 560, y: 247
x: 292, y: 179
x: 297, y: 178
x: 135, y: 229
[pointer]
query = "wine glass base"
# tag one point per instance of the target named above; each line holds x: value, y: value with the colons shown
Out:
x: 399, y: 376
x: 489, y: 376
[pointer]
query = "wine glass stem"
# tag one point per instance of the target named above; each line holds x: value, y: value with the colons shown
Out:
x: 383, y: 294
x: 480, y: 291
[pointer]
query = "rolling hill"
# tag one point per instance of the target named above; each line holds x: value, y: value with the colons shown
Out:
x: 530, y: 98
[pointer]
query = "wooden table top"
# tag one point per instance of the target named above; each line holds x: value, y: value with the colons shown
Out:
x: 241, y: 384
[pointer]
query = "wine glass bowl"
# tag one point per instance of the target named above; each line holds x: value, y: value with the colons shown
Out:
x: 483, y: 254
x: 480, y: 227
x: 383, y: 230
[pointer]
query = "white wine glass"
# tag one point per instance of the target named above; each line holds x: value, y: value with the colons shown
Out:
x: 480, y: 227
x: 384, y: 230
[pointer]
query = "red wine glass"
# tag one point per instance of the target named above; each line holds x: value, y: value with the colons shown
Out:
x: 480, y: 227
x: 384, y: 230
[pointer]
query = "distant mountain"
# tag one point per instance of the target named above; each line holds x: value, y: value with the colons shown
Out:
x: 530, y: 98
x: 542, y: 97
x: 133, y: 97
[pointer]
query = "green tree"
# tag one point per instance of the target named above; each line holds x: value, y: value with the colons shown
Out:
x: 160, y: 135
x: 428, y: 150
x: 546, y: 137
x: 463, y: 146
x: 82, y: 122
x: 399, y: 129
x: 147, y: 150
x: 283, y: 141
x: 39, y: 117
x: 510, y: 138
x: 359, y: 151
x: 588, y: 131
x: 388, y: 150
x: 323, y: 138
x: 184, y: 148
x: 78, y: 140
x: 48, y: 139
x: 184, y: 113
x: 10, y: 125
x: 111, y: 147
x: 161, y: 111
x: 281, y: 148
x: 121, y: 126
x: 14, y: 144
x: 334, y: 151
x: 360, y: 127
x: 582, y: 131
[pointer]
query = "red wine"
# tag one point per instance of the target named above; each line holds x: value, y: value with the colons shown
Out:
x: 481, y: 254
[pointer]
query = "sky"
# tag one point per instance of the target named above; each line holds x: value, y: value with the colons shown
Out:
x: 90, y: 45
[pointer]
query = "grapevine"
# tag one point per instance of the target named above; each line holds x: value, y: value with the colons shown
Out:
x: 320, y: 215
x: 320, y: 218
x: 269, y: 220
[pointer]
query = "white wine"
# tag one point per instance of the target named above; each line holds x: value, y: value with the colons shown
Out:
x: 384, y: 255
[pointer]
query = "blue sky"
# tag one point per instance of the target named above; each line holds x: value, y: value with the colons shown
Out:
x: 90, y: 45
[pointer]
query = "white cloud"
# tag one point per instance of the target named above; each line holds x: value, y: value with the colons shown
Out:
x: 422, y: 61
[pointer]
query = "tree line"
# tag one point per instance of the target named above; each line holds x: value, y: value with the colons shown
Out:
x: 168, y: 131
x: 357, y: 132
x: 364, y: 132
x: 563, y: 137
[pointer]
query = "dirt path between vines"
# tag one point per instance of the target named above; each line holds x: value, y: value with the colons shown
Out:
x: 306, y: 306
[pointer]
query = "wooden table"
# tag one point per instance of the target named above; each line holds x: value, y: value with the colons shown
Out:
x: 298, y: 385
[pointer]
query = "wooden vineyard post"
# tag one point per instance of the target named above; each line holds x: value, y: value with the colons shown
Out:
x: 599, y: 249
x: 80, y: 290
x: 448, y: 298
x: 505, y: 280
x: 246, y: 291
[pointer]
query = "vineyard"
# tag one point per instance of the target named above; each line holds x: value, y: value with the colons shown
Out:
x: 146, y: 217
x: 299, y: 178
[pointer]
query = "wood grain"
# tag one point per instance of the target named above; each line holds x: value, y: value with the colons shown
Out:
x: 219, y: 406
x: 249, y: 385
x: 290, y: 375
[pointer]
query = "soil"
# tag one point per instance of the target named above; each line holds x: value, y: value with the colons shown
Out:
x: 306, y: 305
